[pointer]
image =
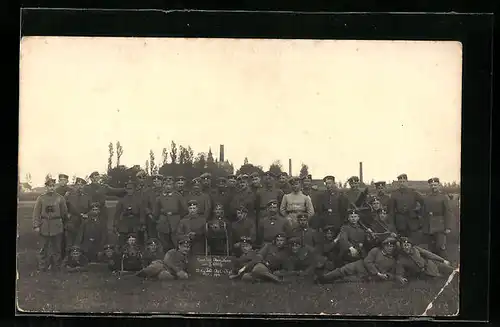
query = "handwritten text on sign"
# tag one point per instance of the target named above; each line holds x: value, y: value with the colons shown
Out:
x: 213, y: 266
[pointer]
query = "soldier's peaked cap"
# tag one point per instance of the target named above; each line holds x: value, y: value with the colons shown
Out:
x: 381, y: 183
x: 180, y: 178
x: 294, y: 240
x: 50, y: 181
x: 158, y: 177
x: 352, y: 212
x: 269, y: 173
x: 184, y: 239
x: 353, y: 179
x: 245, y: 239
x: 222, y: 179
x: 131, y: 235
x: 329, y: 228
x: 328, y: 177
x: 109, y: 247
x: 389, y: 239
x: 206, y: 175
x: 94, y: 173
x: 254, y: 174
x: 272, y: 201
x: 75, y: 248
x: 152, y: 241
x: 403, y: 176
x: 192, y: 203
x: 283, y: 173
x: 302, y: 215
x: 242, y: 176
x: 63, y: 176
x: 219, y: 206
x: 231, y: 176
x: 196, y: 181
x: 80, y: 180
x: 280, y: 234
x: 433, y: 180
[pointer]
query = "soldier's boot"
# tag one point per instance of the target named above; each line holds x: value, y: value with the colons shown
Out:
x: 329, y: 277
x: 261, y: 271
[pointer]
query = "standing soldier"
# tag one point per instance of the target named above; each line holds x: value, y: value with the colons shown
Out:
x: 48, y: 214
x: 180, y: 182
x: 206, y: 183
x: 267, y: 193
x: 283, y: 183
x: 243, y: 226
x: 78, y: 207
x: 168, y: 210
x: 331, y: 208
x: 255, y: 184
x: 354, y: 192
x: 90, y: 236
x: 381, y: 195
x: 272, y: 224
x: 307, y: 235
x: 295, y: 203
x: 243, y: 198
x: 193, y: 225
x: 63, y: 189
x: 204, y: 203
x: 221, y: 195
x: 129, y: 215
x: 437, y: 218
x: 402, y: 211
x: 232, y: 184
x: 150, y: 204
x: 98, y: 193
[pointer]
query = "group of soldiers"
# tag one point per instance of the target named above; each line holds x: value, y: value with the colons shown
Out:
x: 270, y: 226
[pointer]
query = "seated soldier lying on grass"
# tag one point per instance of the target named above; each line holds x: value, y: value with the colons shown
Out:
x: 75, y: 261
x: 152, y: 252
x: 273, y: 259
x: 111, y: 256
x: 418, y: 262
x: 131, y: 255
x: 301, y: 261
x: 173, y: 266
x: 243, y: 264
x: 380, y: 263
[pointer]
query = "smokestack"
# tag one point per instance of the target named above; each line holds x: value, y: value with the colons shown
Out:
x: 290, y: 167
x: 221, y: 153
x: 361, y: 172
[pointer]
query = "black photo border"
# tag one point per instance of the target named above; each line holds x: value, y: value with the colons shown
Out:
x: 474, y: 31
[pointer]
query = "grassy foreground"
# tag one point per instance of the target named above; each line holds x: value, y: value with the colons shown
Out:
x: 99, y: 292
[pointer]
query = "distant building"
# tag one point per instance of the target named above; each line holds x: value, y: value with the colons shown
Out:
x: 418, y: 185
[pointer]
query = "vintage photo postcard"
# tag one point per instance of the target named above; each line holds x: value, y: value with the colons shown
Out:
x: 239, y: 176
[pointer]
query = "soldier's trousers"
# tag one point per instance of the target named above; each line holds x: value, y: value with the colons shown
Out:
x: 151, y: 228
x: 166, y: 241
x: 260, y: 271
x: 437, y: 243
x: 70, y: 238
x: 51, y: 251
x: 356, y: 268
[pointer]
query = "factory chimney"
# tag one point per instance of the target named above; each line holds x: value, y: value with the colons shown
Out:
x: 290, y: 167
x: 361, y: 172
x: 221, y: 153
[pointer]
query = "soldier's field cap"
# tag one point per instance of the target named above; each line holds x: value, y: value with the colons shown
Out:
x: 50, y: 181
x: 75, y: 248
x: 352, y: 212
x: 280, y: 235
x: 242, y: 177
x: 141, y: 174
x: 283, y: 173
x: 95, y: 205
x: 353, y: 179
x: 109, y: 247
x: 63, y: 176
x: 294, y: 180
x: 94, y: 174
x: 294, y: 240
x: 180, y: 178
x: 328, y: 177
x: 218, y: 206
x: 329, y: 228
x: 242, y: 208
x: 231, y: 176
x: 158, y: 177
x: 302, y: 215
x: 381, y: 183
x: 433, y: 180
x: 80, y: 180
x: 245, y: 239
x: 222, y: 179
x: 152, y: 241
x: 192, y: 203
x: 254, y: 174
x: 272, y: 202
x: 404, y: 239
x: 403, y: 176
x: 184, y: 239
x: 196, y: 181
x: 206, y: 176
x: 389, y: 239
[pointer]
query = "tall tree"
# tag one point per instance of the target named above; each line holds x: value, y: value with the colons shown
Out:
x: 276, y: 167
x: 119, y: 153
x: 249, y: 169
x: 304, y: 170
x: 151, y: 162
x: 245, y: 162
x: 190, y: 156
x: 182, y: 155
x: 164, y: 156
x: 200, y: 162
x: 146, y: 167
x: 173, y: 152
x: 110, y: 158
x: 210, y: 158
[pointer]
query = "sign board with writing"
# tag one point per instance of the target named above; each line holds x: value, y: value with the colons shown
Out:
x: 212, y: 266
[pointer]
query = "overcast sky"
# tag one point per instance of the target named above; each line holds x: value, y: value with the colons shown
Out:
x: 396, y: 106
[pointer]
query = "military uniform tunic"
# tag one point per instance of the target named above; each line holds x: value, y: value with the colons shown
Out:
x: 295, y: 203
x: 78, y: 203
x: 168, y: 210
x: 204, y: 203
x: 194, y: 224
x: 244, y: 198
x: 243, y: 227
x: 402, y: 214
x: 273, y: 257
x: 436, y: 218
x: 129, y: 216
x: 271, y: 226
x: 308, y: 236
x: 355, y: 236
x: 264, y: 195
x: 304, y: 262
x: 331, y: 210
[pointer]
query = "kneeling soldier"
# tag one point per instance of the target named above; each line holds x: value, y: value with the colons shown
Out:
x: 273, y: 224
x: 307, y: 235
x: 152, y: 252
x: 131, y: 255
x: 217, y: 231
x: 173, y: 266
x: 193, y: 225
x: 75, y: 261
x: 352, y: 239
x: 245, y: 262
x: 380, y: 263
x: 418, y: 262
x: 302, y: 260
x: 90, y: 234
x: 274, y: 256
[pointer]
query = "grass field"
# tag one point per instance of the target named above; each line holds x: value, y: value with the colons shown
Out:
x: 98, y: 291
